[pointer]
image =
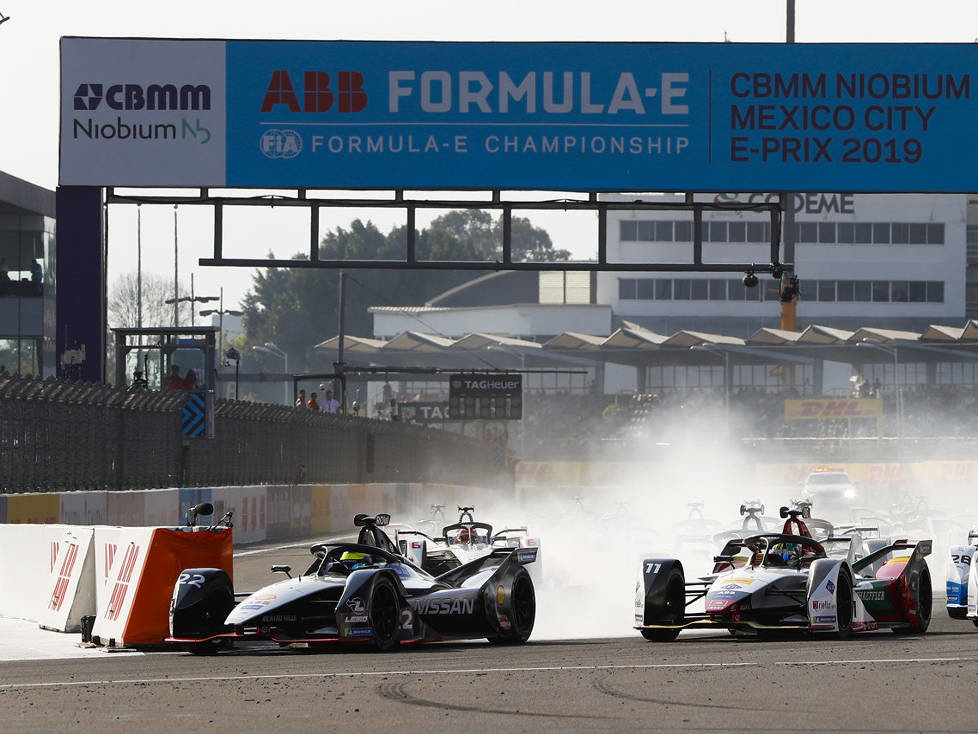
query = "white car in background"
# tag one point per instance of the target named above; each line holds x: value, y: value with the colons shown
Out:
x: 831, y: 491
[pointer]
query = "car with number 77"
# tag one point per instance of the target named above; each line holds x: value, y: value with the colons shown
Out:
x: 788, y: 581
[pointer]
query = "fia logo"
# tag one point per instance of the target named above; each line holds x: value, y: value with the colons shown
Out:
x: 280, y: 143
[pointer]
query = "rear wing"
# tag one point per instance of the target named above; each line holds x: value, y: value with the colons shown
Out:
x: 920, y: 548
x: 498, y: 557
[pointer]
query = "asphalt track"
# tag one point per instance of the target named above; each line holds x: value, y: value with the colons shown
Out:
x: 877, y: 682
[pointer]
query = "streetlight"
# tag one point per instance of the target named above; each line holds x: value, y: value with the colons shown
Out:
x: 191, y: 299
x: 892, y: 351
x: 271, y: 348
x: 712, y: 349
x: 220, y: 312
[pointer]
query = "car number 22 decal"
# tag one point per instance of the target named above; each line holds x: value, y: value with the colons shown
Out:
x: 191, y: 579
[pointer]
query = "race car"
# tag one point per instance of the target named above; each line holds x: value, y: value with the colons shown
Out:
x: 460, y: 543
x: 789, y: 582
x: 363, y: 592
x: 962, y: 581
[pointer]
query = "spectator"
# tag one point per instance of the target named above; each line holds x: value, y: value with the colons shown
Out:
x: 173, y: 380
x: 313, y: 404
x: 37, y: 274
x: 190, y: 381
x: 300, y: 402
x: 388, y: 392
x: 331, y: 404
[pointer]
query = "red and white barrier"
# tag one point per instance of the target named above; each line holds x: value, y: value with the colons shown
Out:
x: 139, y: 567
x: 71, y: 582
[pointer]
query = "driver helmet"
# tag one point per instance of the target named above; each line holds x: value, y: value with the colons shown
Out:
x: 785, y: 552
x: 464, y: 536
x: 354, y: 560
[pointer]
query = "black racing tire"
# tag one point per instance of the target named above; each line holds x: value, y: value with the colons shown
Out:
x: 210, y: 647
x: 957, y: 613
x: 384, y: 611
x: 844, y: 604
x: 522, y: 611
x: 975, y: 621
x: 675, y: 610
x: 923, y: 599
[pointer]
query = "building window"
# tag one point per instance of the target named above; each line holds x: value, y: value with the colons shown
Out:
x: 698, y: 290
x: 864, y: 233
x: 645, y: 230
x: 626, y: 289
x: 718, y: 231
x: 629, y: 230
x: 663, y: 290
x: 681, y: 289
x: 737, y: 231
x: 900, y: 291
x: 718, y: 290
x: 643, y: 289
x: 808, y: 232
x: 881, y: 233
x: 846, y: 233
x: 918, y: 291
x: 758, y: 231
x: 881, y: 291
x: 918, y: 234
x: 862, y: 290
x: 935, y: 234
x: 935, y: 291
x: 826, y: 290
x: 845, y: 291
x: 900, y: 233
x: 684, y: 231
x: 826, y: 232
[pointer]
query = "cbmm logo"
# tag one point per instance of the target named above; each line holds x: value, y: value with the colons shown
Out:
x: 317, y: 93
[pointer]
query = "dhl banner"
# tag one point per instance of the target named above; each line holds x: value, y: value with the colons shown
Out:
x: 823, y: 409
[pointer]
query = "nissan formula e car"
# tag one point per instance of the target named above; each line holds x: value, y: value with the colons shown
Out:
x: 788, y: 581
x: 361, y: 592
x: 962, y: 581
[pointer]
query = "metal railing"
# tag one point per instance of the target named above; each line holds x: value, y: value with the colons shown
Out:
x: 58, y: 435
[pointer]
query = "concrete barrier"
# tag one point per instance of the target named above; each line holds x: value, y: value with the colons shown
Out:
x: 71, y: 582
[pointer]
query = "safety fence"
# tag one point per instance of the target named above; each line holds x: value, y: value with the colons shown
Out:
x: 57, y: 435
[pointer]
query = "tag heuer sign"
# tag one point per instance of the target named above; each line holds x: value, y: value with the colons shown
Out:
x: 486, y: 396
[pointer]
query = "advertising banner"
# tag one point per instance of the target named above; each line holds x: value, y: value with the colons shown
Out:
x: 552, y: 116
x: 824, y: 409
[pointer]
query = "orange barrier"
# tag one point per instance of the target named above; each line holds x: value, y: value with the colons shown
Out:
x: 145, y: 564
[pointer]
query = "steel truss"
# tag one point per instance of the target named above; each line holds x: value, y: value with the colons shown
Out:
x: 301, y: 198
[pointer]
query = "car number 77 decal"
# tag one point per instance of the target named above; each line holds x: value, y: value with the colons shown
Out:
x: 652, y: 568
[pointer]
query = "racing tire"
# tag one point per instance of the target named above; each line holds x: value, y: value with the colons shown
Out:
x: 522, y: 611
x: 675, y: 609
x: 957, y: 613
x: 923, y: 601
x: 384, y: 611
x: 211, y: 647
x: 844, y: 604
x: 975, y: 622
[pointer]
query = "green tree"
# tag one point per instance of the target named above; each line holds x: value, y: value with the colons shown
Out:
x: 296, y: 308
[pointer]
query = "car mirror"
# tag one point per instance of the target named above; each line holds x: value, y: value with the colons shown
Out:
x: 282, y: 569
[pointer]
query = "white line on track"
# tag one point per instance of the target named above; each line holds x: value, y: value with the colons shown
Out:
x: 875, y: 660
x: 527, y: 669
x: 365, y: 674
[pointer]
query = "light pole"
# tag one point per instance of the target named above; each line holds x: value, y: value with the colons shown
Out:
x: 892, y: 351
x: 191, y: 299
x: 271, y: 348
x: 220, y: 325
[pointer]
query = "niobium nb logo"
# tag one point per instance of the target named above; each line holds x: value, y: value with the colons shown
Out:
x: 276, y: 143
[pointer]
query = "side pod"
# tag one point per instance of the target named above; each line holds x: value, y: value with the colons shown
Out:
x: 202, y: 600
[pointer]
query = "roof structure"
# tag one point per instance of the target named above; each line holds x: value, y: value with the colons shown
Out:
x: 636, y: 346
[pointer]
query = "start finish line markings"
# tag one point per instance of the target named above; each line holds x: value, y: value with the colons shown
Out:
x: 456, y: 671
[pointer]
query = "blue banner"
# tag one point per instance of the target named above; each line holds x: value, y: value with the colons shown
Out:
x: 602, y: 116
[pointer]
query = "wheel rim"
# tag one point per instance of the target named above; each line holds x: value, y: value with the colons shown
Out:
x: 384, y: 613
x: 523, y: 605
